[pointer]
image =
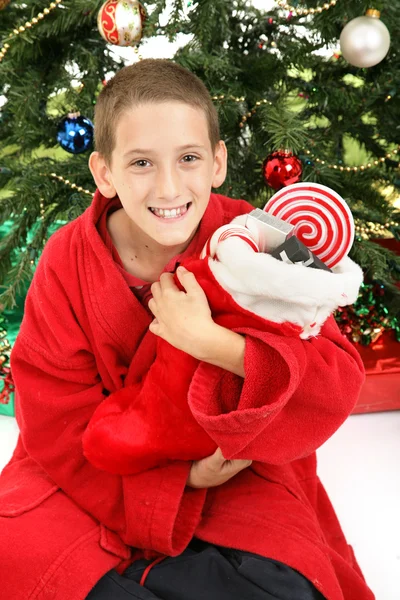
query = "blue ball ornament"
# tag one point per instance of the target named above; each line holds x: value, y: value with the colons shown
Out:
x: 75, y: 133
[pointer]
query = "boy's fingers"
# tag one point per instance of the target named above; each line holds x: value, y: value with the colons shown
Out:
x: 218, y: 454
x: 158, y: 287
x: 152, y: 306
x: 188, y: 280
x: 155, y: 289
x: 217, y: 461
x: 239, y: 465
x: 214, y: 470
x: 154, y: 327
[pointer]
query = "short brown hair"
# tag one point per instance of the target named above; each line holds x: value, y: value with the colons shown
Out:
x: 150, y: 80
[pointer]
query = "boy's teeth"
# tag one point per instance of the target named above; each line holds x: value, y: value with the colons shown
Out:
x: 169, y: 214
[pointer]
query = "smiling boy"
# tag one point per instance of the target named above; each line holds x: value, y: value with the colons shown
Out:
x: 163, y: 183
x: 102, y: 293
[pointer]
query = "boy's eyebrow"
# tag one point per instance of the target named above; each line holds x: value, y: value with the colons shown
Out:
x: 149, y: 150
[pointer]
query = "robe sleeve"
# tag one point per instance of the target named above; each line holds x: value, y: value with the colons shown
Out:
x: 294, y: 396
x: 58, y: 387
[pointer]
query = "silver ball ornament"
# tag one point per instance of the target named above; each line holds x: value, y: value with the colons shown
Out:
x: 365, y: 41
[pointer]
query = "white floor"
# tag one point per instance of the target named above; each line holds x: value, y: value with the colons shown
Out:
x: 360, y: 468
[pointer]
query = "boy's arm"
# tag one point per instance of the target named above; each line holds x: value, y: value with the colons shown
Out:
x: 225, y: 349
x: 294, y: 395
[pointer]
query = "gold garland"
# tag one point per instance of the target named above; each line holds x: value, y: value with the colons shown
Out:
x: 78, y: 188
x: 302, y: 12
x: 368, y: 165
x: 28, y: 25
x: 377, y: 229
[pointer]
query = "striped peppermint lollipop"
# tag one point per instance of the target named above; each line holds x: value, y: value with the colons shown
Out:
x: 322, y: 219
x: 225, y: 232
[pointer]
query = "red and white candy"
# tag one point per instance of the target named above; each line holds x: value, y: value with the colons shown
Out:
x: 322, y: 219
x: 225, y: 232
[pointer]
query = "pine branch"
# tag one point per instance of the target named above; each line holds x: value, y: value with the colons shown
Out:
x: 285, y: 129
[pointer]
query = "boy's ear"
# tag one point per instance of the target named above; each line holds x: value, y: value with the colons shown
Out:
x: 220, y: 165
x: 102, y: 175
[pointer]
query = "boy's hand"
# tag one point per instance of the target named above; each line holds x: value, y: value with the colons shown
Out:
x: 182, y: 318
x: 214, y: 470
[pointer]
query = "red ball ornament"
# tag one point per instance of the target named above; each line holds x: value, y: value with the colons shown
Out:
x: 282, y: 168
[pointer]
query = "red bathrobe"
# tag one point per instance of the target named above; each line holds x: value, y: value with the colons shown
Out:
x: 64, y: 522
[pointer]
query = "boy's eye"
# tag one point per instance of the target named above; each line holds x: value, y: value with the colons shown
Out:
x: 142, y: 160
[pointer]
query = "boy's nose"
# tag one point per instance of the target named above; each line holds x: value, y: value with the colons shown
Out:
x: 168, y: 185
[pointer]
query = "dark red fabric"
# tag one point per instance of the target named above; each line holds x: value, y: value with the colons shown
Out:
x: 64, y: 522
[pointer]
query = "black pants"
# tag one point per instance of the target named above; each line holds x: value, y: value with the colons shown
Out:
x: 207, y: 572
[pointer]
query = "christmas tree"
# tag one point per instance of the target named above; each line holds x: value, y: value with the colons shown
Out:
x: 298, y: 86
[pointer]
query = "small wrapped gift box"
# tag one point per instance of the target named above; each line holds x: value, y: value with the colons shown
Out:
x: 8, y: 409
x: 6, y: 393
x: 381, y: 390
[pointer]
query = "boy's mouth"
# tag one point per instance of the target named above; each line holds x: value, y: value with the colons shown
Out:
x: 174, y: 213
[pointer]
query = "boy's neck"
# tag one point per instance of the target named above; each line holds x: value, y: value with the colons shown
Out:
x: 142, y: 260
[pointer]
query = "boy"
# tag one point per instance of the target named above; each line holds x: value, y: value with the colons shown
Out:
x: 219, y: 529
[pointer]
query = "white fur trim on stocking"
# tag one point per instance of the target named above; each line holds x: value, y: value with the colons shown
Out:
x: 282, y: 292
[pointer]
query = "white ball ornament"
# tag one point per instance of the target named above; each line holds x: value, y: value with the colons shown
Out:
x: 365, y: 41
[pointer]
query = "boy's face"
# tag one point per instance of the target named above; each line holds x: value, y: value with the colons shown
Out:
x: 152, y: 170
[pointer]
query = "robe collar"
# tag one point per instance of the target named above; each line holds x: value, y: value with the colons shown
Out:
x: 121, y: 315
